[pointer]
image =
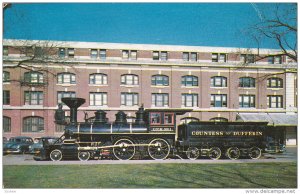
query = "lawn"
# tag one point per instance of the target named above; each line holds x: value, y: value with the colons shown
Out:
x: 253, y: 175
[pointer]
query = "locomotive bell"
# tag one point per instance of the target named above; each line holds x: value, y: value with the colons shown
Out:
x: 100, y: 116
x: 121, y: 118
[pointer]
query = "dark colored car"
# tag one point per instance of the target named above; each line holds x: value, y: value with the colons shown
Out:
x: 17, y: 145
x: 34, y: 148
x: 274, y: 148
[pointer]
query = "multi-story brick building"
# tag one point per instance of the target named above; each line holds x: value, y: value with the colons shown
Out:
x: 217, y: 83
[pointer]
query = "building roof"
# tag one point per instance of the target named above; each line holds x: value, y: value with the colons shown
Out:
x: 274, y: 119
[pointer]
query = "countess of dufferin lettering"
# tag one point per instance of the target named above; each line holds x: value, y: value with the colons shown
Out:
x: 221, y: 133
x: 200, y: 133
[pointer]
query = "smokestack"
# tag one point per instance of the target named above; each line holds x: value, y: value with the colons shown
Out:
x: 73, y: 104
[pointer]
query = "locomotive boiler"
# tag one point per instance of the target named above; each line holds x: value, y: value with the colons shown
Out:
x: 153, y: 134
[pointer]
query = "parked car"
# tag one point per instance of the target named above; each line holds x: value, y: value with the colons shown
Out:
x: 17, y: 145
x: 38, y: 143
x: 274, y: 148
x: 4, y: 140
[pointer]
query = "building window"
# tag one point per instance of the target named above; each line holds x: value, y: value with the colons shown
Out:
x: 98, y: 79
x: 194, y: 57
x: 6, y: 97
x: 275, y: 101
x: 160, y: 100
x: 33, y: 98
x: 164, y: 55
x: 6, y: 124
x: 5, y: 51
x: 61, y: 95
x: 247, y: 101
x: 94, y: 53
x: 160, y: 80
x: 185, y: 56
x: 218, y: 57
x: 155, y: 55
x: 274, y: 59
x: 71, y: 52
x: 33, y: 77
x: 133, y: 55
x: 246, y: 82
x: 218, y: 119
x: 275, y: 82
x: 189, y: 80
x: 6, y: 76
x: 189, y: 100
x: 129, y: 99
x: 129, y: 79
x: 188, y: 120
x: 66, y: 78
x: 218, y: 100
x: 33, y: 124
x: 102, y: 54
x: 62, y: 52
x: 98, y: 98
x: 247, y: 58
x: 218, y: 81
x: 125, y: 54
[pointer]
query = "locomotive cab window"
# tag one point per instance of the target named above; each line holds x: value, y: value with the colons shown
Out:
x: 169, y: 118
x: 155, y: 118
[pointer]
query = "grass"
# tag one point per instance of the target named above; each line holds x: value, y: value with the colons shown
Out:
x: 253, y: 175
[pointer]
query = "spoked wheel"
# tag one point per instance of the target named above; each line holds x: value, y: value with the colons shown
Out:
x: 192, y: 153
x: 214, y: 153
x: 158, y: 149
x: 254, y: 153
x: 233, y: 153
x: 124, y: 149
x: 56, y: 155
x: 84, y: 156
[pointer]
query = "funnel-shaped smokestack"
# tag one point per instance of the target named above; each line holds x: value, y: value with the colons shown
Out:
x: 73, y: 104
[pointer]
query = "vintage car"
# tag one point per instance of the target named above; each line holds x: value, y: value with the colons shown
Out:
x: 17, y: 145
x: 275, y: 148
x: 38, y: 143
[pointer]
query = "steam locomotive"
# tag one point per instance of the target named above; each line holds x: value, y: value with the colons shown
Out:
x: 153, y: 135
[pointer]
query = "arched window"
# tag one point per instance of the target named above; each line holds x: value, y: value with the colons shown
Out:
x: 160, y: 80
x: 247, y: 82
x: 6, y: 124
x: 275, y: 82
x: 129, y: 79
x: 189, y: 80
x: 33, y: 77
x: 6, y: 76
x: 218, y: 81
x: 66, y: 78
x: 189, y: 119
x: 33, y: 124
x: 218, y: 119
x: 98, y: 79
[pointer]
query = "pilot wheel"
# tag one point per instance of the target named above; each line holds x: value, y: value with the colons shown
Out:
x: 84, y: 155
x: 124, y: 149
x: 56, y: 155
x: 192, y: 153
x: 158, y: 149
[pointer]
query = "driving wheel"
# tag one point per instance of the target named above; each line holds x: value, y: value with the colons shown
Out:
x: 84, y: 156
x: 159, y: 149
x: 254, y: 153
x: 56, y: 155
x: 214, y: 153
x: 192, y: 153
x: 124, y: 149
x: 233, y: 153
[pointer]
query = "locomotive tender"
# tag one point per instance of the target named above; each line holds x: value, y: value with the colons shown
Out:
x: 153, y: 134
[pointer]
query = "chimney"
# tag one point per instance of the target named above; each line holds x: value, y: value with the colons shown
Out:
x: 73, y: 104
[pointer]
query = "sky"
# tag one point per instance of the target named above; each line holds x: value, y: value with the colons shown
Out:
x: 192, y: 24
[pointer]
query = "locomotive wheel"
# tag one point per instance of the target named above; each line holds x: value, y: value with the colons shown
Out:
x: 233, y: 153
x: 84, y: 156
x: 158, y: 149
x: 254, y: 153
x: 124, y: 149
x: 56, y: 155
x: 192, y: 153
x: 214, y: 153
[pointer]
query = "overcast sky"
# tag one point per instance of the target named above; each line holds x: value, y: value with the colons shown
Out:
x: 197, y: 24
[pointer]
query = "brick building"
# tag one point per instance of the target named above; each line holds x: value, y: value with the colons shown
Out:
x: 219, y: 84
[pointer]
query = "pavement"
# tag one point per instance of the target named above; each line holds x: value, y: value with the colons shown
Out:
x: 289, y: 156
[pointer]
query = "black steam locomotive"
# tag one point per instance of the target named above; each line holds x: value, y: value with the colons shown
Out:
x: 153, y: 134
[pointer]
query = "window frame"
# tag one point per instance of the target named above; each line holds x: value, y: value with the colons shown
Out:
x: 6, y: 124
x: 6, y: 76
x: 103, y: 101
x: 39, y: 123
x: 243, y: 82
x: 194, y: 98
x: 134, y: 99
x: 277, y: 102
x: 6, y: 97
x: 28, y: 77
x: 222, y: 81
x: 125, y: 79
x: 278, y: 82
x: 72, y: 78
x: 98, y: 79
x: 165, y: 99
x: 184, y: 81
x: 71, y: 94
x: 164, y: 79
x: 251, y: 103
x: 213, y: 102
x: 94, y: 55
x: 29, y: 97
x: 218, y: 119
